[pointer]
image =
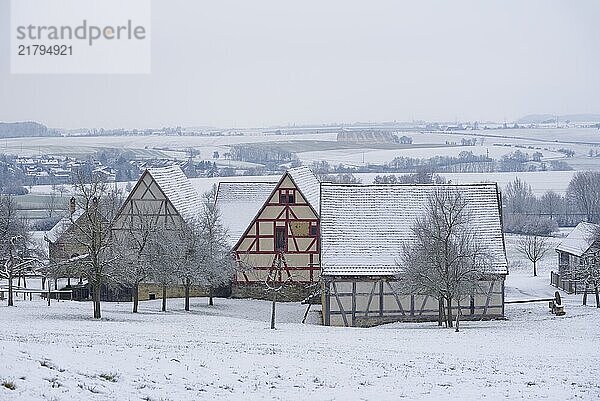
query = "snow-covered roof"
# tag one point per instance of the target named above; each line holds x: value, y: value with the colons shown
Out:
x: 239, y: 203
x: 308, y: 184
x: 61, y: 227
x: 364, y: 226
x: 580, y: 239
x: 178, y: 189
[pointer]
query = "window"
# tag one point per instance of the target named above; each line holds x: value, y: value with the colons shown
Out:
x: 313, y: 230
x: 287, y: 196
x: 280, y: 239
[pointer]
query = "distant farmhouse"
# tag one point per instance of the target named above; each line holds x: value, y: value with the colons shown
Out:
x: 574, y: 252
x: 283, y: 231
x: 363, y: 228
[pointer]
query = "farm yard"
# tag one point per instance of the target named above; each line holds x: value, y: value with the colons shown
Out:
x: 228, y: 352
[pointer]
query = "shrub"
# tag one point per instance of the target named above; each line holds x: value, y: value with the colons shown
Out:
x: 9, y: 385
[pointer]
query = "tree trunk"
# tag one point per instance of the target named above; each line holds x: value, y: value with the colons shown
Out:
x: 187, y: 295
x: 96, y: 301
x: 10, y: 291
x: 164, y: 298
x: 69, y: 280
x: 534, y: 269
x: 24, y: 286
x: 273, y: 310
x: 597, y: 296
x: 43, y: 283
x: 458, y: 313
x: 449, y: 314
x: 48, y: 292
x: 136, y: 297
x: 210, y: 296
x: 56, y: 283
x: 585, y: 295
x: 440, y: 311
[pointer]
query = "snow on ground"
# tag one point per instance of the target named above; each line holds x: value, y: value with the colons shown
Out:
x: 228, y: 352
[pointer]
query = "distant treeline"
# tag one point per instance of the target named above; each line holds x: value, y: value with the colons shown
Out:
x: 261, y: 153
x: 526, y: 213
x: 25, y: 129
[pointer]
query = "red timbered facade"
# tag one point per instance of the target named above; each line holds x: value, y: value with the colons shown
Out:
x: 284, y: 236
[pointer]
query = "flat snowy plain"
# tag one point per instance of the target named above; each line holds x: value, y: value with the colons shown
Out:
x: 228, y: 352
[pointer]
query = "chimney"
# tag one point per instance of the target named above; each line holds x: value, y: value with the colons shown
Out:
x: 72, y: 205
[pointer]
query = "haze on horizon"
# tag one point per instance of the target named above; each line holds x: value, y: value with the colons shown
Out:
x: 239, y: 63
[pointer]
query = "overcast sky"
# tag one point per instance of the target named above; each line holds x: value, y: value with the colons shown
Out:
x: 243, y: 63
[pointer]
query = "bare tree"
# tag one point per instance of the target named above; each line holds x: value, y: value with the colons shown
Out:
x: 133, y: 239
x: 91, y: 230
x: 533, y: 248
x: 584, y: 193
x: 443, y: 260
x: 218, y: 265
x: 192, y: 257
x: 51, y: 203
x: 274, y: 283
x: 17, y: 254
x: 166, y: 255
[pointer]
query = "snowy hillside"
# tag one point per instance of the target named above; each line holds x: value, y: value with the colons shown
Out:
x: 228, y: 352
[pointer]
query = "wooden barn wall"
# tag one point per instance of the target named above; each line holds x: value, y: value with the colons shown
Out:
x: 364, y: 302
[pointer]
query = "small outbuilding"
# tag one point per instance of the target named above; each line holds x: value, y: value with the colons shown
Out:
x: 573, y: 252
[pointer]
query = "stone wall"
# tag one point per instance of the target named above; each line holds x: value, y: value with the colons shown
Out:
x: 290, y: 293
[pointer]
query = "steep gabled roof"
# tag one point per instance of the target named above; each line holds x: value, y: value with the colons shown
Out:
x: 239, y: 203
x: 363, y: 227
x: 308, y: 184
x: 580, y: 239
x: 178, y: 190
x: 61, y: 227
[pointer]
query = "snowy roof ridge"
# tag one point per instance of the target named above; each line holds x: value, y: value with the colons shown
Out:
x: 239, y: 202
x: 308, y: 183
x: 62, y: 226
x: 364, y: 226
x: 178, y: 189
x: 580, y: 239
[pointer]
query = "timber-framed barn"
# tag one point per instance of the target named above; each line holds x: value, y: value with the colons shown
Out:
x: 283, y: 234
x: 167, y: 196
x: 363, y: 228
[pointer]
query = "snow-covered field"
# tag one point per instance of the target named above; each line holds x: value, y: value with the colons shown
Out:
x: 228, y: 352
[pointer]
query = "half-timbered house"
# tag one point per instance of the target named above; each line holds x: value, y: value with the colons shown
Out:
x: 577, y: 249
x: 167, y: 197
x: 284, y: 236
x: 363, y: 227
